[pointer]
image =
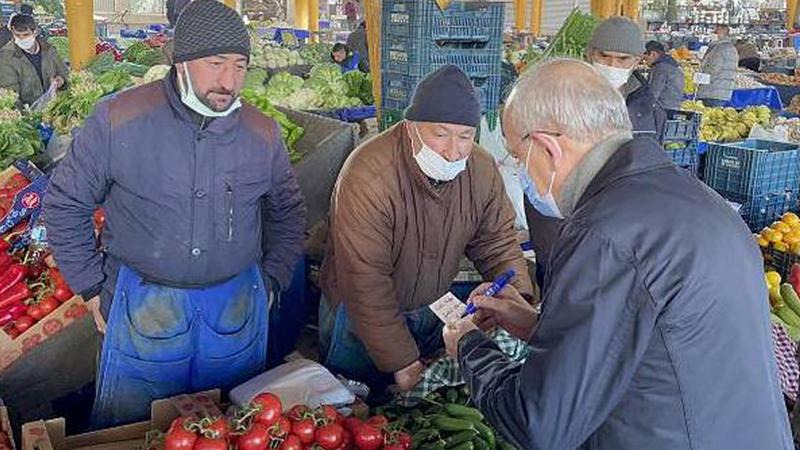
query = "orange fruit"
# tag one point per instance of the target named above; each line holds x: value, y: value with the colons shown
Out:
x: 790, y: 218
x: 773, y: 236
x: 780, y: 226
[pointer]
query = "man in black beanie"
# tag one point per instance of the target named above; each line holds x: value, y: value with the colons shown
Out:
x: 407, y: 206
x: 204, y: 223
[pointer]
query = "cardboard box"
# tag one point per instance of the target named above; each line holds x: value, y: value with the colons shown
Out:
x: 28, y: 201
x: 51, y: 435
x: 67, y: 313
x: 5, y: 425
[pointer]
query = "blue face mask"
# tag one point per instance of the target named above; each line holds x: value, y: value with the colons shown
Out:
x: 545, y: 204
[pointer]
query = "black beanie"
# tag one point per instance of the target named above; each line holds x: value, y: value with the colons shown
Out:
x: 445, y: 96
x: 207, y: 28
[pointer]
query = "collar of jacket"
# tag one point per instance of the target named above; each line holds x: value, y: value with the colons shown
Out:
x: 407, y: 154
x: 217, y: 126
x: 586, y: 170
x: 639, y: 155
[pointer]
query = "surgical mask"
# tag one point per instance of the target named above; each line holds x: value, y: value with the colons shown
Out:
x: 189, y: 98
x: 435, y: 165
x: 545, y: 204
x: 616, y: 76
x: 26, y: 44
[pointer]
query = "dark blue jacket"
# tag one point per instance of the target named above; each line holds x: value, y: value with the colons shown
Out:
x: 655, y: 330
x: 646, y: 115
x: 666, y: 82
x: 183, y: 204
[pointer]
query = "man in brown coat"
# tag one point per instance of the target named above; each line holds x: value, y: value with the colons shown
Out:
x: 408, y: 205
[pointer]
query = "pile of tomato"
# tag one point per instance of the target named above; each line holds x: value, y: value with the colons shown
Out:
x: 262, y: 425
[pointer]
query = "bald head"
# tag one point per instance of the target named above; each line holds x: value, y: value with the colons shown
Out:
x: 569, y: 97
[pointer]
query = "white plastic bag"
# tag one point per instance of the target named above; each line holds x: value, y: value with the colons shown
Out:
x: 300, y: 382
x: 494, y: 143
x: 41, y: 103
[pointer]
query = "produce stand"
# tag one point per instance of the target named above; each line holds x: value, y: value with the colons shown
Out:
x: 786, y: 93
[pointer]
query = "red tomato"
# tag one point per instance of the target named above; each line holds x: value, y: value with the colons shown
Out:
x: 347, y: 441
x: 220, y: 428
x: 292, y: 442
x: 205, y: 443
x: 304, y: 429
x: 24, y: 322
x: 329, y: 436
x: 270, y: 408
x: 393, y: 447
x: 36, y: 311
x: 281, y: 428
x: 63, y: 293
x: 329, y: 413
x: 298, y: 412
x: 379, y: 422
x: 368, y: 438
x: 48, y: 304
x: 178, y: 437
x: 352, y: 424
x: 405, y: 440
x: 11, y: 330
x: 256, y: 438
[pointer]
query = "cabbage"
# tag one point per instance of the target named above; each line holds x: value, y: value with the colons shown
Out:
x: 156, y: 73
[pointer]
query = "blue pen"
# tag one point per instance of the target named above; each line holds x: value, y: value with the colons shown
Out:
x: 496, y: 287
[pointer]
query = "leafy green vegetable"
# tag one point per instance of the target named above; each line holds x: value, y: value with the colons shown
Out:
x: 61, y: 43
x: 290, y: 132
x: 156, y: 73
x: 571, y: 39
x: 255, y: 78
x: 19, y: 137
x: 141, y: 53
x: 73, y: 106
x: 316, y: 53
x: 101, y: 63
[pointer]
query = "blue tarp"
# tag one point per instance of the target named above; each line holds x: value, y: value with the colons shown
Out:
x: 768, y: 96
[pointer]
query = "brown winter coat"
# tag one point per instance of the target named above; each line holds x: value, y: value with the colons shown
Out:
x: 396, y: 241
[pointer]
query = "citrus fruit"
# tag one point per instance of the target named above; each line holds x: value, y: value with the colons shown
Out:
x: 790, y: 218
x: 780, y: 246
x: 780, y: 226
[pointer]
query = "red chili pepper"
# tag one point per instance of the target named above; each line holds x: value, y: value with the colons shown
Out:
x: 4, y: 245
x: 12, y: 313
x: 14, y: 294
x: 12, y: 276
x: 5, y: 260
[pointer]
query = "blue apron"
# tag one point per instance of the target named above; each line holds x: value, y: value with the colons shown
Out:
x: 163, y: 341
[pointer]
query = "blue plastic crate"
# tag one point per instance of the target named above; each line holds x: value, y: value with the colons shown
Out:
x: 416, y: 58
x: 759, y: 212
x: 684, y: 157
x: 752, y: 168
x: 461, y: 22
x: 681, y: 125
x: 397, y: 90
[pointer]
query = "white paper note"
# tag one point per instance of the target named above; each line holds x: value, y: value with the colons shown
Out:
x: 448, y: 308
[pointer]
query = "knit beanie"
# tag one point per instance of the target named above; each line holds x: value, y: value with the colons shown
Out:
x: 174, y: 9
x: 206, y: 28
x: 618, y: 34
x: 445, y: 96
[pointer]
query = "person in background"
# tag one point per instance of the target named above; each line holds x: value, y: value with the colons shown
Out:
x: 5, y: 33
x: 351, y: 12
x: 346, y: 59
x: 749, y: 58
x: 408, y: 205
x: 666, y: 80
x: 31, y: 65
x: 357, y: 40
x: 652, y: 335
x: 719, y: 62
x: 204, y: 223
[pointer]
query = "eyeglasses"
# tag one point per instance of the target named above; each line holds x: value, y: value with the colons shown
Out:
x: 518, y: 163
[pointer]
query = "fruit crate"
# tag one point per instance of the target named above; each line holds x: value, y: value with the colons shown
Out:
x: 753, y: 169
x: 779, y: 261
x: 759, y: 212
x: 390, y: 117
x: 459, y: 23
x: 681, y: 125
x: 398, y: 90
x: 683, y: 155
x: 405, y: 56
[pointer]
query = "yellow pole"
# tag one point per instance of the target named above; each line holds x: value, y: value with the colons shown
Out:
x: 301, y: 14
x: 313, y: 19
x: 536, y: 17
x: 230, y: 4
x: 80, y: 22
x: 372, y: 12
x: 633, y: 10
x: 791, y: 14
x: 519, y: 15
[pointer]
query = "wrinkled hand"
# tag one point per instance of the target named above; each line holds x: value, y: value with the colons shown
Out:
x: 58, y: 81
x: 94, y: 307
x: 407, y: 378
x: 508, y: 309
x: 454, y: 331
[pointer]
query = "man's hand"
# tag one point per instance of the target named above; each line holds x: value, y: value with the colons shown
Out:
x: 94, y: 307
x: 58, y: 81
x: 508, y: 310
x: 454, y: 331
x: 408, y: 377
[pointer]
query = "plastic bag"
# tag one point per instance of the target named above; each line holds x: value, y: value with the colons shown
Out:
x: 300, y: 382
x: 494, y: 143
x: 779, y: 133
x: 41, y: 103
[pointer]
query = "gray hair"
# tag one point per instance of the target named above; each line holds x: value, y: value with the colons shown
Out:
x: 569, y: 97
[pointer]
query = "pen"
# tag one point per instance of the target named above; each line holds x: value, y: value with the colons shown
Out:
x: 497, y: 286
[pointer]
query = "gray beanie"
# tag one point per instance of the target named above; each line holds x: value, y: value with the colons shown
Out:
x: 618, y: 34
x: 445, y: 96
x: 206, y: 28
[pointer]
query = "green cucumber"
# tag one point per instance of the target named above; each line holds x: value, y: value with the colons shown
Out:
x: 463, y: 446
x: 786, y: 314
x: 480, y: 444
x: 789, y: 297
x: 445, y: 423
x: 463, y: 412
x: 460, y: 438
x: 487, y: 434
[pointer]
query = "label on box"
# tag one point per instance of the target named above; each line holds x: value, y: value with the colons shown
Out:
x: 448, y: 308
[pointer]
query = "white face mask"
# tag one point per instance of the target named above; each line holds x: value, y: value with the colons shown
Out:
x: 545, y: 204
x: 26, y: 44
x: 434, y: 165
x: 616, y: 76
x: 189, y: 98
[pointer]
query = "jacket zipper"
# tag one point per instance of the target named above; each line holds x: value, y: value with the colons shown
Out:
x: 229, y: 203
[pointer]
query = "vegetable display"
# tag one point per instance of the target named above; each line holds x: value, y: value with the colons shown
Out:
x: 274, y: 57
x: 780, y: 78
x: 445, y: 421
x: 290, y: 132
x: 784, y: 302
x: 141, y: 53
x: 73, y: 106
x: 316, y: 53
x: 326, y: 88
x: 572, y: 38
x: 19, y: 137
x: 727, y: 124
x: 263, y: 425
x: 61, y: 44
x: 156, y: 73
